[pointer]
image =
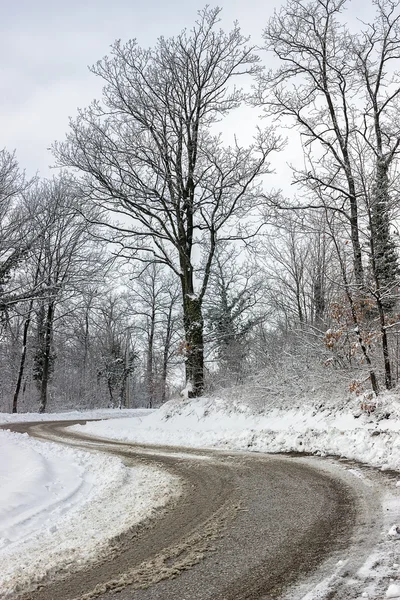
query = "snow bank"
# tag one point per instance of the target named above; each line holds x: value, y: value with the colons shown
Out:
x: 343, y: 430
x: 99, y: 413
x: 59, y: 507
x: 34, y: 484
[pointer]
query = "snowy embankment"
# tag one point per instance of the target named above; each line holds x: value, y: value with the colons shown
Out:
x: 342, y: 429
x: 60, y: 507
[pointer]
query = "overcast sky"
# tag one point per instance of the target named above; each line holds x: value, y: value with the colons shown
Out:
x: 46, y: 46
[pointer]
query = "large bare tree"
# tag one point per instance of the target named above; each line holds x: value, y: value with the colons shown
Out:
x: 150, y: 152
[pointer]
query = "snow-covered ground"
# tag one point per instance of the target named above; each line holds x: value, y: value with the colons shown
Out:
x: 343, y: 430
x: 99, y: 413
x: 60, y: 506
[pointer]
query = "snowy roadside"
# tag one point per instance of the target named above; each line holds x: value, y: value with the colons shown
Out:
x: 340, y: 429
x: 74, y: 415
x: 60, y: 507
x: 215, y: 422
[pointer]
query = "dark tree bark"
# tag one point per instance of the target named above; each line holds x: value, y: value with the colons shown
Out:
x: 194, y: 325
x: 46, y: 357
x: 23, y: 358
x: 381, y: 284
x: 149, y: 358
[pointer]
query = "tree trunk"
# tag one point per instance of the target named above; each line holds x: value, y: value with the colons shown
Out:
x: 23, y: 358
x: 384, y: 259
x: 109, y: 386
x: 385, y: 348
x: 318, y: 300
x: 384, y: 271
x: 355, y: 242
x: 24, y: 344
x: 167, y: 345
x: 46, y: 357
x: 149, y: 362
x: 122, y: 391
x: 83, y: 378
x: 193, y: 325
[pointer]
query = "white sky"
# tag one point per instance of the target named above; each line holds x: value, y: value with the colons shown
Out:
x: 46, y: 45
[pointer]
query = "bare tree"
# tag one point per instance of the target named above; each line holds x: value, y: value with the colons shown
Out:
x: 150, y: 153
x: 116, y: 358
x: 152, y: 299
x: 341, y: 90
x: 299, y: 266
x: 27, y: 323
x: 65, y: 257
x: 233, y: 308
x: 314, y: 88
x: 16, y: 234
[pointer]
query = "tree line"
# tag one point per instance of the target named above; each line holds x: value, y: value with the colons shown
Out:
x: 159, y: 248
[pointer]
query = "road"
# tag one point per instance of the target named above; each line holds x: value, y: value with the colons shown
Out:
x: 247, y: 527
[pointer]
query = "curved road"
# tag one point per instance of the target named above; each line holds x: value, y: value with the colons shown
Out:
x: 246, y: 527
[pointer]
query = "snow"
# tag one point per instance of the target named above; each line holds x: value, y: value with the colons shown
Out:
x: 394, y: 532
x: 393, y: 591
x: 218, y: 422
x: 100, y: 413
x: 32, y: 485
x: 186, y: 390
x: 60, y: 506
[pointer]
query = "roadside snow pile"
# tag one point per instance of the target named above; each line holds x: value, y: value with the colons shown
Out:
x: 393, y: 591
x: 346, y: 430
x: 59, y: 507
x: 75, y: 415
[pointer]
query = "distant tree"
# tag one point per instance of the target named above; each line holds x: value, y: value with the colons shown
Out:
x: 33, y: 284
x: 299, y: 266
x: 65, y: 257
x: 152, y: 298
x: 16, y: 234
x: 233, y: 308
x: 117, y: 358
x: 171, y: 330
x: 286, y: 257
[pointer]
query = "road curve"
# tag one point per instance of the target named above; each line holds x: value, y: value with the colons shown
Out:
x: 246, y: 527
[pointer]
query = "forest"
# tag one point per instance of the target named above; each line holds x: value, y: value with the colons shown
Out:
x: 160, y: 256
